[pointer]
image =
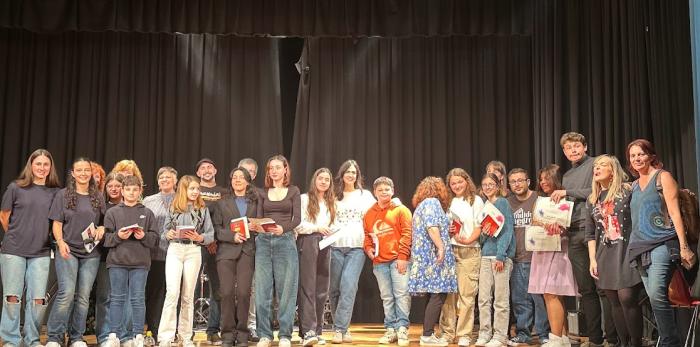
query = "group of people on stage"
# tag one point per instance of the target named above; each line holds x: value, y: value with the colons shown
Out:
x: 620, y: 242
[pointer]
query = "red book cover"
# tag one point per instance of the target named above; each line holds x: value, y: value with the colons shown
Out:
x: 240, y: 226
x: 457, y: 226
x: 490, y: 224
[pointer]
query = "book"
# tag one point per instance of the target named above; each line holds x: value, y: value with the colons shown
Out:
x: 132, y: 229
x: 88, y: 236
x: 180, y: 231
x: 266, y: 223
x: 456, y: 223
x: 491, y: 220
x: 240, y: 226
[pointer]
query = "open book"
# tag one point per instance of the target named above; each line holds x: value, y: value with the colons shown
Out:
x: 266, y: 223
x: 240, y: 226
x: 88, y: 235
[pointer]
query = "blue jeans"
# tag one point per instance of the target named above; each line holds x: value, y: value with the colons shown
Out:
x: 276, y: 263
x: 75, y: 278
x: 393, y: 288
x: 656, y: 280
x: 102, y: 320
x: 346, y: 266
x: 131, y: 284
x: 16, y: 271
x: 527, y: 306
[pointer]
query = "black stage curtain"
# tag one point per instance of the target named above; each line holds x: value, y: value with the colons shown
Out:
x: 614, y: 71
x: 160, y: 99
x: 346, y: 18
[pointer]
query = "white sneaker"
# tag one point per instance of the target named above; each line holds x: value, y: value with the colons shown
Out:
x: 164, y: 343
x: 565, y: 341
x: 285, y: 342
x: 402, y: 336
x: 111, y: 341
x: 264, y: 342
x: 464, y: 341
x: 389, y: 337
x: 432, y: 340
x: 481, y: 342
x: 79, y: 344
x: 347, y: 338
x: 337, y: 337
x: 495, y: 343
x: 138, y: 340
x: 53, y: 344
x: 321, y: 340
x: 554, y: 341
x: 187, y: 343
x: 128, y: 343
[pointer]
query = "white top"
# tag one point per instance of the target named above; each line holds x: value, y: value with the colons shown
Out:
x: 323, y: 219
x: 469, y: 216
x: 349, y: 216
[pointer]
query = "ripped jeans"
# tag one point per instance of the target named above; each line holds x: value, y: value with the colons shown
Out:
x: 16, y: 272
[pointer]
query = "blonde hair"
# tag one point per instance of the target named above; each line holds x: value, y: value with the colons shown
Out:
x: 180, y: 202
x: 616, y: 188
x: 128, y: 165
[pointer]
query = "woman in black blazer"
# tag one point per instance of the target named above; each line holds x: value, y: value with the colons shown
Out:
x: 235, y: 257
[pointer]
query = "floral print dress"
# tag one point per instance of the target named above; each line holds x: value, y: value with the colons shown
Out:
x: 426, y: 276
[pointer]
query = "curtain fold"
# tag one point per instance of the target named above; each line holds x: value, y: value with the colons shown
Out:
x: 160, y: 99
x: 317, y: 18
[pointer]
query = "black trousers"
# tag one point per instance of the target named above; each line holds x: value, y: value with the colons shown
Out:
x: 314, y: 282
x: 237, y: 276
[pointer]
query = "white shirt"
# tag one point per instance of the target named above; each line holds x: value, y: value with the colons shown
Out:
x: 469, y: 216
x: 349, y: 216
x: 323, y: 219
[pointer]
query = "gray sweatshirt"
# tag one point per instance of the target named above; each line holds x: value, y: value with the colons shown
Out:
x: 577, y: 183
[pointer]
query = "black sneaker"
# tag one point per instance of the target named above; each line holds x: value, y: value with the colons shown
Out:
x: 214, y: 339
x: 253, y: 337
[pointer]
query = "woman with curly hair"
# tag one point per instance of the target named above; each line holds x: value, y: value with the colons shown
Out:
x: 433, y: 268
x: 75, y: 208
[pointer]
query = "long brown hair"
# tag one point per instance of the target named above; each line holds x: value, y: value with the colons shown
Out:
x: 71, y: 197
x: 340, y: 185
x: 499, y: 185
x: 26, y: 177
x: 180, y: 202
x: 649, y: 150
x: 469, y: 192
x: 554, y: 173
x: 328, y: 197
x: 287, y: 176
x: 432, y: 187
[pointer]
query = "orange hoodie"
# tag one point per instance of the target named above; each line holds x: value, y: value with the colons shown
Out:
x: 392, y: 225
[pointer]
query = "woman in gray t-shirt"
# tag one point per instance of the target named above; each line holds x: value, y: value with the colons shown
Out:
x: 25, y: 249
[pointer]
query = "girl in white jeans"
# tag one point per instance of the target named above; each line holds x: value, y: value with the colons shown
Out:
x: 188, y: 228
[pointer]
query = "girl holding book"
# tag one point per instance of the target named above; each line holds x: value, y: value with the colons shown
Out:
x: 77, y: 212
x: 465, y: 206
x: 25, y: 254
x: 131, y: 234
x: 317, y: 216
x: 187, y: 228
x: 496, y: 263
x: 276, y: 258
x: 235, y: 257
x: 550, y: 272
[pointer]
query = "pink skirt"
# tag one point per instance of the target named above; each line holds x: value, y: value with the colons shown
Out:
x: 551, y: 273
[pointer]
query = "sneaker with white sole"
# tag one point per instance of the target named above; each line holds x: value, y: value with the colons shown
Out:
x: 389, y: 337
x: 321, y: 340
x: 337, y: 337
x: 285, y: 342
x: 432, y: 340
x: 128, y: 343
x: 164, y: 343
x: 481, y: 341
x: 264, y: 342
x: 518, y: 341
x: 347, y: 338
x: 310, y: 339
x: 187, y: 343
x: 80, y: 343
x: 53, y: 344
x: 464, y: 341
x: 138, y: 340
x: 402, y: 336
x: 495, y: 343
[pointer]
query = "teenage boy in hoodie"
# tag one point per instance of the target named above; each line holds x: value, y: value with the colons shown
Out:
x: 131, y: 233
x: 389, y: 225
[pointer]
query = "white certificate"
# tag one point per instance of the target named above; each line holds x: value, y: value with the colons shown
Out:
x: 547, y: 212
x: 536, y: 239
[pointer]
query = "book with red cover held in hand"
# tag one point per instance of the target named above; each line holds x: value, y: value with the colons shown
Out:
x: 266, y: 223
x: 491, y: 220
x: 240, y: 226
x: 456, y: 223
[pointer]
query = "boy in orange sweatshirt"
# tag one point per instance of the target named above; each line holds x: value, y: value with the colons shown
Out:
x: 388, y: 228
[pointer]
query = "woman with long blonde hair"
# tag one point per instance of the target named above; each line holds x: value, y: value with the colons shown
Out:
x: 608, y: 228
x: 188, y: 227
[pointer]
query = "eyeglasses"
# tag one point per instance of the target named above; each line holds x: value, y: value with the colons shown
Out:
x: 518, y: 181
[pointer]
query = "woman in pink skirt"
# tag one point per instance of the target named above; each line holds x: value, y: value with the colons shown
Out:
x: 550, y: 272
